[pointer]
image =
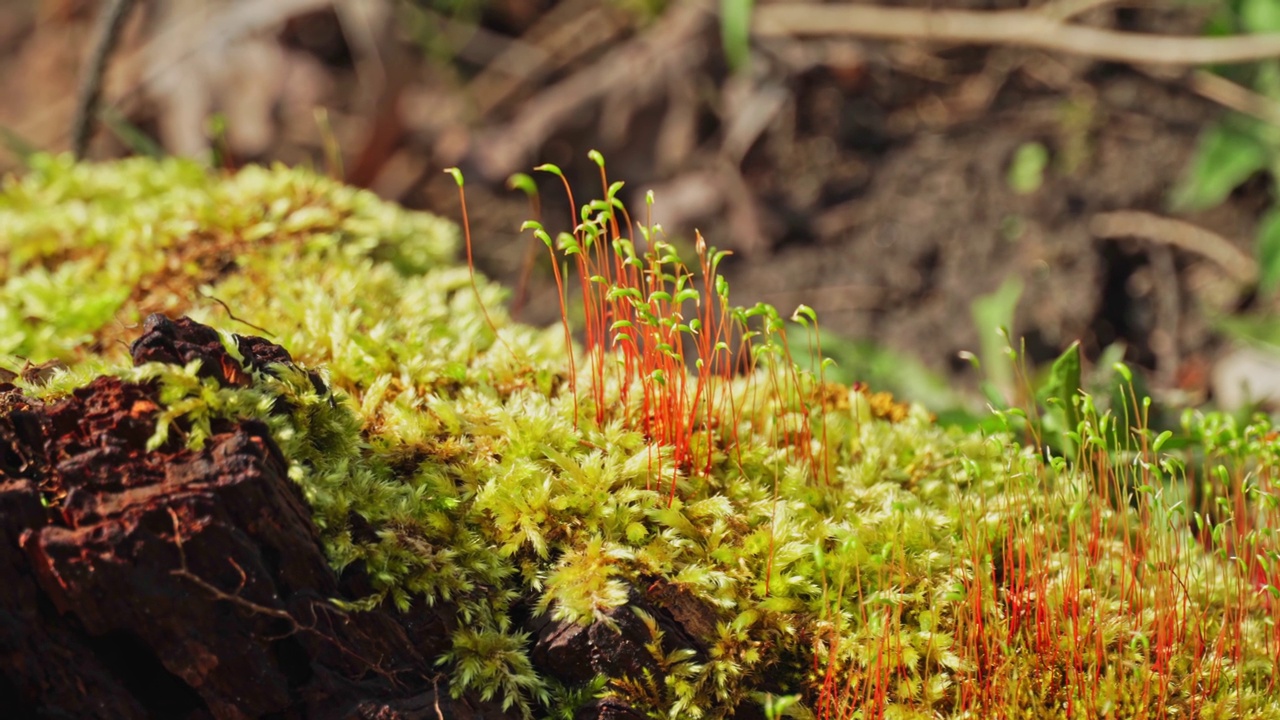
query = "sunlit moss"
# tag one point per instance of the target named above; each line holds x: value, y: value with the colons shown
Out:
x: 459, y: 469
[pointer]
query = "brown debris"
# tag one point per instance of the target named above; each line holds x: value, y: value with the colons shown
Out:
x: 884, y: 407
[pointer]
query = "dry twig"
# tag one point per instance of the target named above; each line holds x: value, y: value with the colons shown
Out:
x: 1067, y: 9
x: 662, y: 49
x: 106, y: 35
x: 232, y: 315
x: 1179, y: 234
x: 1023, y: 28
x: 1234, y: 96
x: 566, y: 33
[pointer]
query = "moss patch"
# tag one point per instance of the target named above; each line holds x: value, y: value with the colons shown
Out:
x: 934, y: 573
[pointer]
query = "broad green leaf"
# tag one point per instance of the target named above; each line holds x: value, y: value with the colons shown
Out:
x: 1064, y: 382
x: 1260, y: 16
x: 1269, y: 250
x: 1225, y: 157
x: 1061, y: 391
x: 993, y: 313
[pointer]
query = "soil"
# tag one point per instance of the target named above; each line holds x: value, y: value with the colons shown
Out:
x: 892, y: 234
x: 867, y: 180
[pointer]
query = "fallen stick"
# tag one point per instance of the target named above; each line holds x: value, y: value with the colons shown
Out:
x: 1179, y: 234
x: 666, y: 47
x: 1022, y: 28
x: 106, y: 35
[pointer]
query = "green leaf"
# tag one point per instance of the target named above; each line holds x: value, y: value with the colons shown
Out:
x: 780, y: 604
x: 1064, y: 383
x: 1221, y: 23
x: 1225, y: 157
x: 1260, y: 16
x: 1269, y: 250
x: 992, y: 313
x: 1061, y: 393
x: 735, y: 31
x: 777, y: 706
x: 1266, y: 82
x: 636, y: 532
x: 567, y: 464
x: 1026, y: 172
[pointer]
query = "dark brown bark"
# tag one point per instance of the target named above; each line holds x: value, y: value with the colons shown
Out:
x: 182, y: 583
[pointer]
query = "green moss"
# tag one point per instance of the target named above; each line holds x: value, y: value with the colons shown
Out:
x: 906, y: 586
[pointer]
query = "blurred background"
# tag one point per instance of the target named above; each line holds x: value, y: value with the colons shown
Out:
x: 920, y: 176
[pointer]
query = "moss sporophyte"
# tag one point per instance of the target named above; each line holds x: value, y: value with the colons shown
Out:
x: 851, y: 557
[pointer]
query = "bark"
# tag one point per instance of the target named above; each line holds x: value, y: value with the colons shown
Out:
x: 179, y: 583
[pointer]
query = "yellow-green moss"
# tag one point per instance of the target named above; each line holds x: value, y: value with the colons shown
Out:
x: 463, y: 455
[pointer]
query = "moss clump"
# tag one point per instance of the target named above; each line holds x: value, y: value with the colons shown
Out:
x: 927, y: 573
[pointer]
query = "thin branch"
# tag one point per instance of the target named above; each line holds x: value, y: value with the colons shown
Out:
x: 232, y: 315
x: 566, y: 33
x: 1180, y: 234
x: 1023, y: 28
x: 1067, y: 9
x: 1219, y: 90
x: 435, y: 691
x: 664, y: 48
x: 1234, y: 96
x: 105, y: 36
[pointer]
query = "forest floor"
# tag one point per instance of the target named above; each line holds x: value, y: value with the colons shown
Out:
x: 869, y: 180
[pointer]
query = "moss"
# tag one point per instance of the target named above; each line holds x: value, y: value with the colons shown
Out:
x: 929, y: 572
